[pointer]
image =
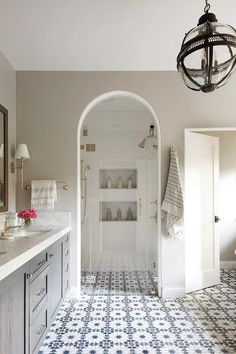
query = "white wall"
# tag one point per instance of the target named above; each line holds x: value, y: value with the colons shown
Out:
x: 8, y: 100
x: 49, y: 105
x: 227, y: 194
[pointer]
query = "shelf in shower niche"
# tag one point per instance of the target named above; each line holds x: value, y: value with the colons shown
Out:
x: 118, y: 189
x: 116, y: 174
x: 113, y: 208
x: 117, y: 221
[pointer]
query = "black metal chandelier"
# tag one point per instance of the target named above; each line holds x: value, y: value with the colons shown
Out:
x: 208, y: 54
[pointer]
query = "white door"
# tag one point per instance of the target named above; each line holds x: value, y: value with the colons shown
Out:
x: 201, y: 211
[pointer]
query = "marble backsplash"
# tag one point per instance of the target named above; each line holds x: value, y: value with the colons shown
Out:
x: 44, y: 218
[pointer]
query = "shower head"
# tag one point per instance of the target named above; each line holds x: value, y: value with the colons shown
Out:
x: 150, y: 139
x: 142, y: 144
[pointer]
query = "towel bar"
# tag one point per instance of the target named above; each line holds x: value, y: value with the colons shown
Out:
x: 27, y: 185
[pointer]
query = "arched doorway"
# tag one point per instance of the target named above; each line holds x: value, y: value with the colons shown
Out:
x: 89, y: 108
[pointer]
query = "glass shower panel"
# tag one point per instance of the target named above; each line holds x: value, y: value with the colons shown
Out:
x: 151, y: 226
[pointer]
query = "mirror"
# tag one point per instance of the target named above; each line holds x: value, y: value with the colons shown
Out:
x: 3, y: 159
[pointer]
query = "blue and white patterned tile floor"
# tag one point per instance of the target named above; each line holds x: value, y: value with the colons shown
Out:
x: 202, y: 322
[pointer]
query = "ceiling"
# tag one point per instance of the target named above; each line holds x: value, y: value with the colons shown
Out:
x: 100, y: 34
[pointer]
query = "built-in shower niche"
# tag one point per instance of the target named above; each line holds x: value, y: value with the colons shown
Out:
x: 118, y: 178
x: 118, y: 211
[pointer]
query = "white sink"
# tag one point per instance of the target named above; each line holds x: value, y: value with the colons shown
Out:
x: 28, y: 233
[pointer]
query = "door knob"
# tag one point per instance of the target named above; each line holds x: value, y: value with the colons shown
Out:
x: 217, y: 219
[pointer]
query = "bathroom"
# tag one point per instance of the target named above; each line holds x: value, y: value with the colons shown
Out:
x: 99, y: 273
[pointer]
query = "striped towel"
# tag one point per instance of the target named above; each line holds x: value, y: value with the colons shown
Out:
x: 173, y: 204
x: 43, y: 194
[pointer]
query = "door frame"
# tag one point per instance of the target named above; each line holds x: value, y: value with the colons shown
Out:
x: 98, y: 100
x: 199, y: 130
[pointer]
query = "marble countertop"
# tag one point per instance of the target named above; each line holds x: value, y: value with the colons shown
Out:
x: 16, y: 251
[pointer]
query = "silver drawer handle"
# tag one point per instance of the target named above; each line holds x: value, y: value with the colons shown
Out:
x: 67, y: 252
x: 51, y: 255
x: 41, y: 329
x: 41, y: 291
x: 41, y: 263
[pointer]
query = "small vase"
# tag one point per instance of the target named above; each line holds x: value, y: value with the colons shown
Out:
x: 27, y: 222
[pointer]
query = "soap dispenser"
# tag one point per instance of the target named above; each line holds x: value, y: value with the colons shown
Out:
x: 129, y: 214
x: 109, y: 182
x: 130, y: 182
x: 109, y: 214
x: 119, y: 214
x: 120, y: 182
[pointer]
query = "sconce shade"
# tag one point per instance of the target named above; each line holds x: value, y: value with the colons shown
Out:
x: 22, y: 152
x: 2, y: 151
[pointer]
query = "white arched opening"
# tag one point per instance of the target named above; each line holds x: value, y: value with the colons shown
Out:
x: 88, y: 108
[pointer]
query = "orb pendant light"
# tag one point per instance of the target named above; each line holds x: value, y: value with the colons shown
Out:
x: 208, y: 54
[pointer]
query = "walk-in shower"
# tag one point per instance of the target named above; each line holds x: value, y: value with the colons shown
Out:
x: 119, y: 229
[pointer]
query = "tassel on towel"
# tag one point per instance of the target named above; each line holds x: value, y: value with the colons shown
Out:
x: 173, y: 204
x: 43, y: 194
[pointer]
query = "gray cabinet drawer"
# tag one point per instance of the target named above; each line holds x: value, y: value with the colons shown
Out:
x: 37, y: 329
x: 38, y: 263
x: 38, y: 290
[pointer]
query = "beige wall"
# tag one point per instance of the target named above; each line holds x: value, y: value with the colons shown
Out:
x: 8, y: 100
x: 49, y: 105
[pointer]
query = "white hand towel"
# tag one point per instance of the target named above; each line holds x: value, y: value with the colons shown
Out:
x: 43, y: 194
x: 173, y: 204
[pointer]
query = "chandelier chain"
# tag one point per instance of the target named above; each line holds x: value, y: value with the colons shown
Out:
x: 207, y: 7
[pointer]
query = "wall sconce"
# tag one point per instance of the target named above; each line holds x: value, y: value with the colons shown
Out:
x: 22, y: 153
x: 1, y: 151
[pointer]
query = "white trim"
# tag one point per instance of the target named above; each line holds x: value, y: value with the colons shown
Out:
x: 88, y: 108
x: 173, y: 293
x: 220, y: 129
x: 228, y: 264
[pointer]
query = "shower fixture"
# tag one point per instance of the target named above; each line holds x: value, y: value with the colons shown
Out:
x: 84, y: 178
x: 151, y: 138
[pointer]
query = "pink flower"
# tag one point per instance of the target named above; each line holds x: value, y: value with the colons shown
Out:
x: 27, y: 214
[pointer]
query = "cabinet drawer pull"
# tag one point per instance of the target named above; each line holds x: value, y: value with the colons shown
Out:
x: 41, y: 329
x: 41, y: 263
x: 51, y: 255
x: 67, y: 253
x: 41, y: 291
x: 67, y: 268
x: 28, y: 276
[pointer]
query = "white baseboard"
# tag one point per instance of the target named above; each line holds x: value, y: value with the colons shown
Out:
x: 172, y: 293
x: 228, y: 264
x: 73, y: 292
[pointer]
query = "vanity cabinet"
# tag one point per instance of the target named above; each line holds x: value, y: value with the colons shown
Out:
x: 12, y: 312
x: 30, y: 298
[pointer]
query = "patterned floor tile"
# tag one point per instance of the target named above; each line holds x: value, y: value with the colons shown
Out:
x: 128, y: 321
